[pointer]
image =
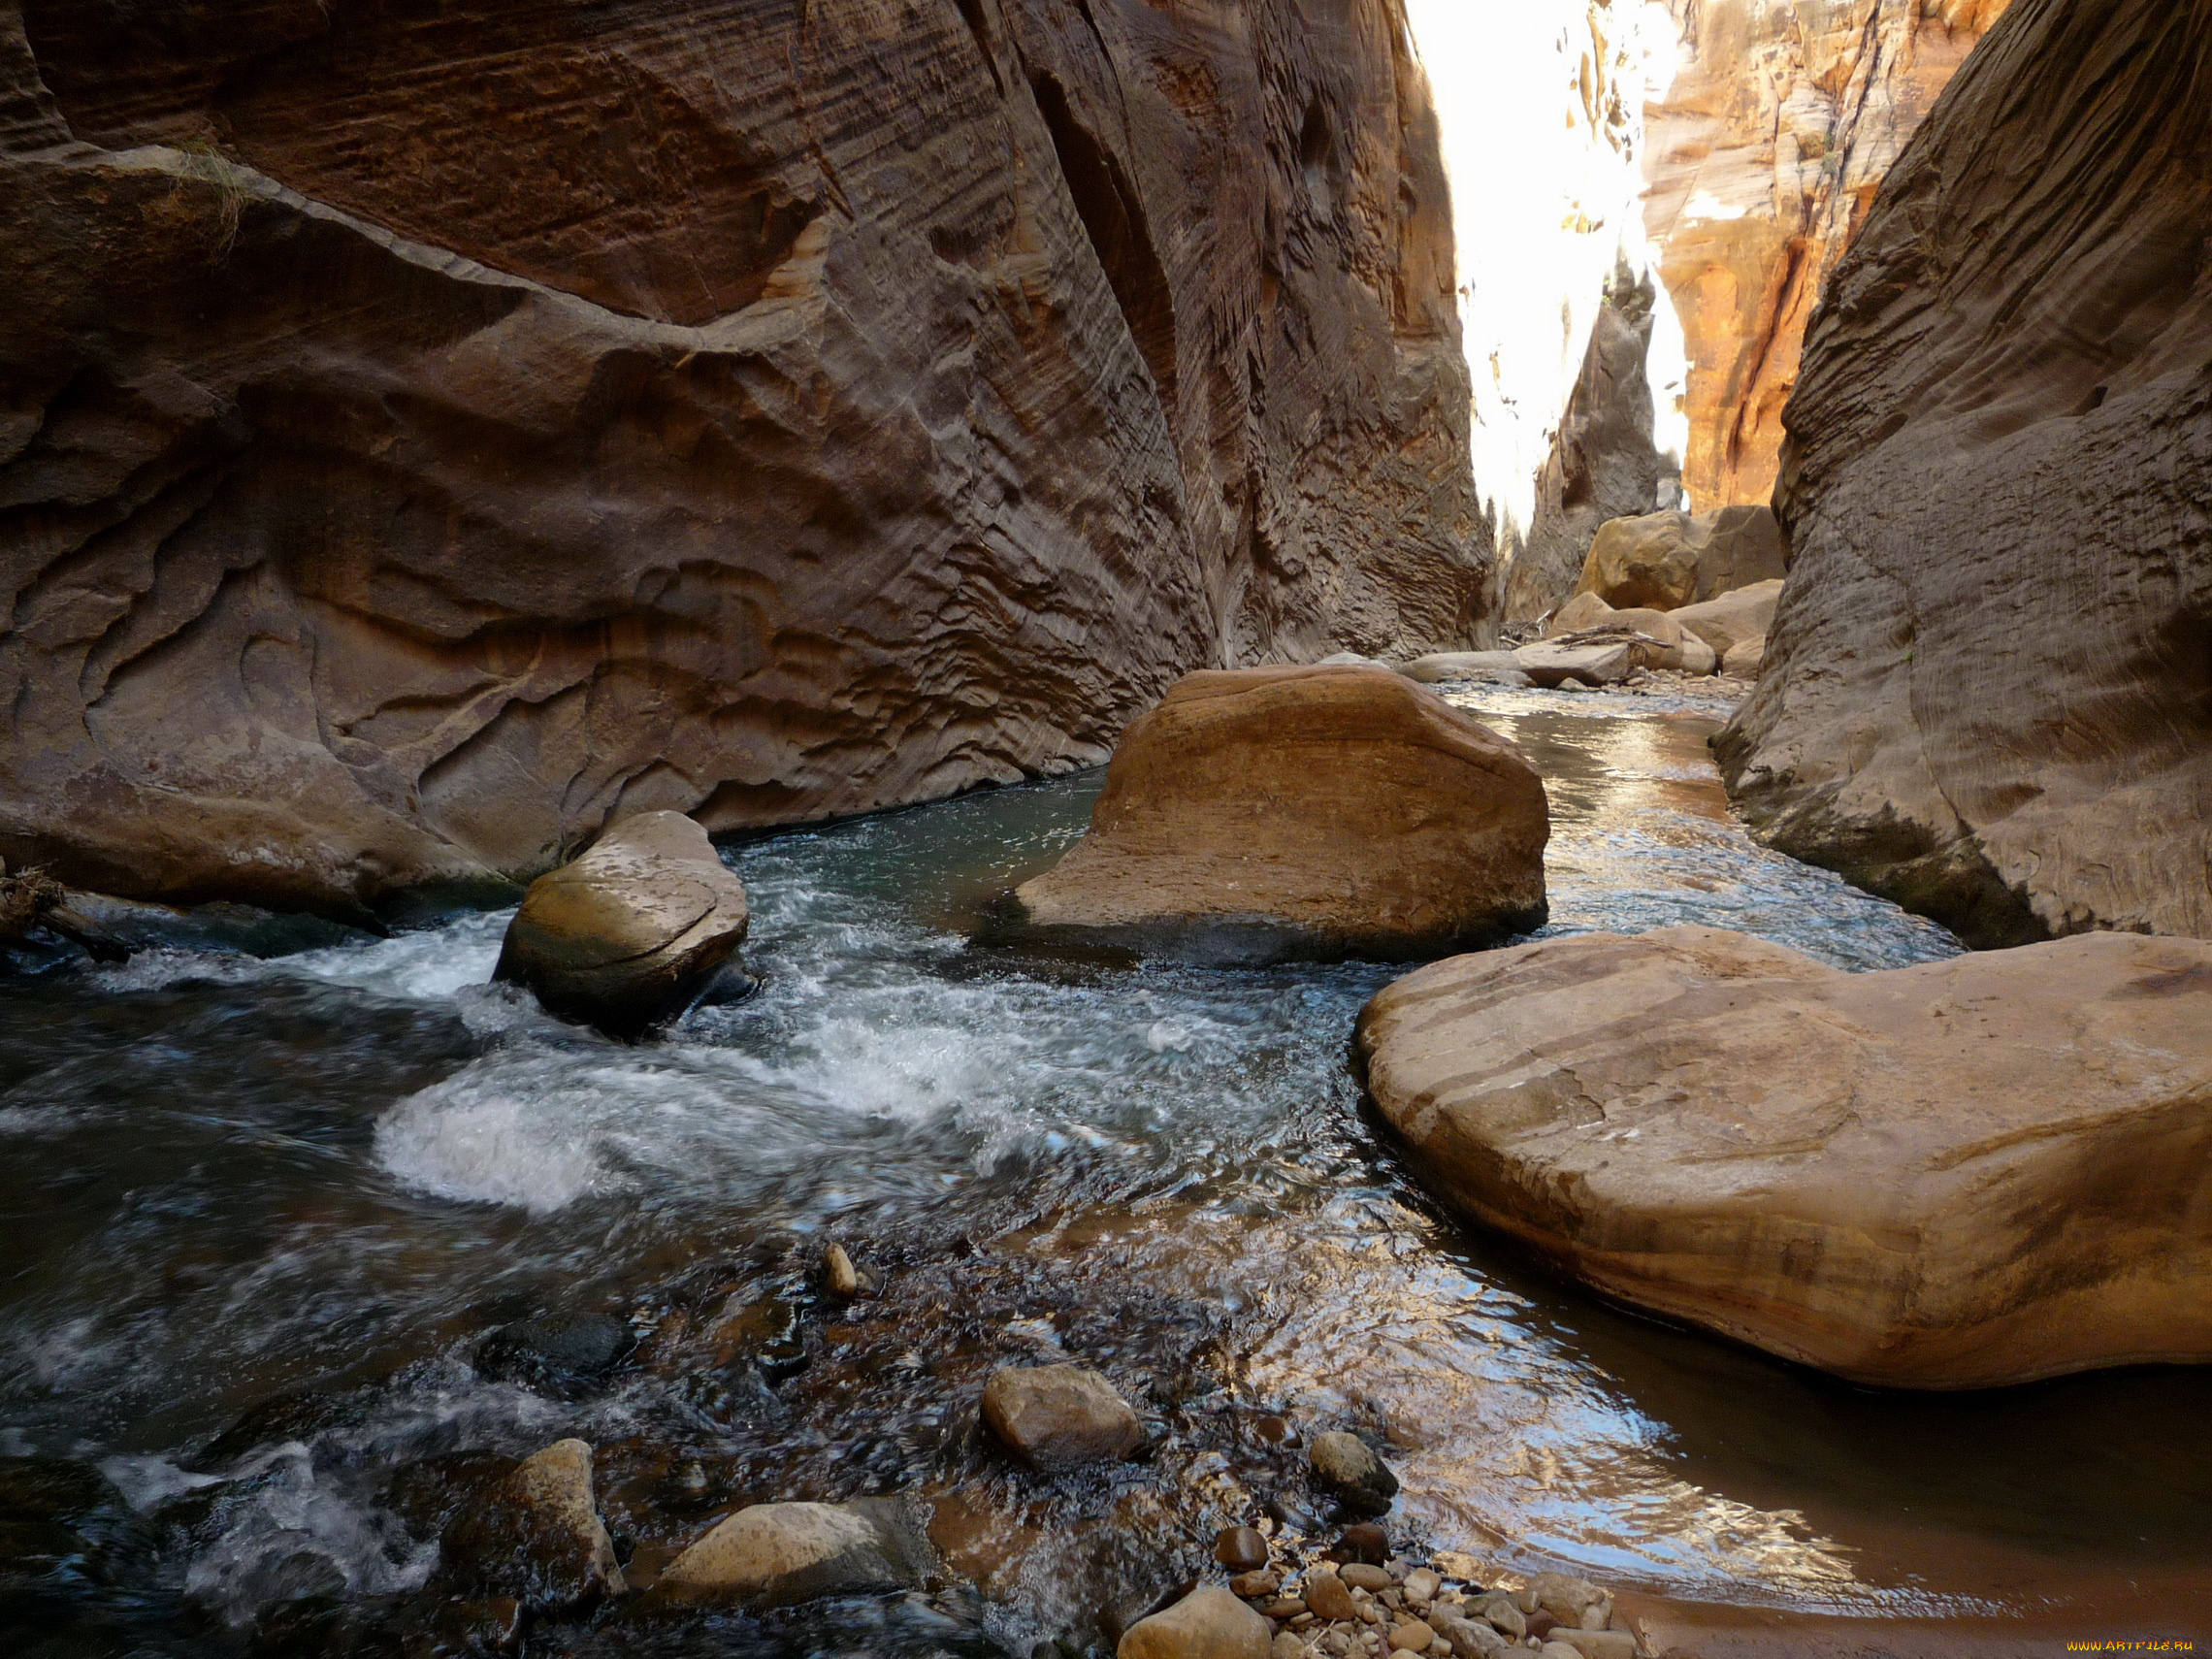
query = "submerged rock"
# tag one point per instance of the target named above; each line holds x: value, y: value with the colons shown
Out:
x: 1209, y: 1624
x: 1348, y: 1468
x: 1966, y: 1174
x: 537, y: 1537
x: 632, y: 934
x: 1303, y: 812
x: 1060, y: 1416
x: 563, y: 1355
x: 779, y: 1554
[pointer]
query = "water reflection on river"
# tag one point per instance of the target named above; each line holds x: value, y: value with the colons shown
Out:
x: 232, y: 1178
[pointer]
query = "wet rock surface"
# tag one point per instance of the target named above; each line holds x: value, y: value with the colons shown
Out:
x: 536, y: 1536
x: 1060, y: 1416
x: 1969, y: 430
x: 796, y: 421
x: 780, y: 1554
x: 633, y: 932
x: 1961, y: 1175
x: 1302, y: 812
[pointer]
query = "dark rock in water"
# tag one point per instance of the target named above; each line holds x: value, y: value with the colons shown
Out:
x: 1363, y: 1542
x: 1344, y: 1464
x: 299, y: 1414
x: 429, y: 1493
x: 564, y: 1354
x: 633, y: 932
x: 536, y: 1536
x: 62, y: 1526
x: 1241, y: 1549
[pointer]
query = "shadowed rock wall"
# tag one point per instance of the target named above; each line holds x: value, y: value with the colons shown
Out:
x: 1761, y: 159
x: 430, y: 429
x: 1988, y: 691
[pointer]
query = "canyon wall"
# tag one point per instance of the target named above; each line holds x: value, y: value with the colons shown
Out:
x: 1989, y: 688
x: 429, y: 427
x: 1761, y: 160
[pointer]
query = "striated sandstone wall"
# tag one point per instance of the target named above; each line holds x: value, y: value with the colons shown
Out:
x: 430, y: 427
x: 1989, y: 688
x: 1760, y: 161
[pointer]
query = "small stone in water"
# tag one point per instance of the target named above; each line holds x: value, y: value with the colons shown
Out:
x: 1274, y: 1431
x: 839, y: 1277
x: 1363, y: 1541
x: 1344, y: 1464
x: 1361, y: 1576
x: 1240, y: 1550
x: 1255, y: 1585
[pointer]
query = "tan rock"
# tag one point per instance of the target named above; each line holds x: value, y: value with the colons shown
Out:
x: 1959, y: 448
x: 1329, y: 1597
x: 1209, y: 1624
x: 1411, y: 1637
x: 1966, y: 1174
x: 1728, y: 620
x: 1584, y: 610
x: 1566, y: 1598
x: 1060, y: 1416
x: 1745, y: 658
x: 797, y: 418
x: 1664, y: 561
x: 634, y: 931
x: 1595, y: 1643
x: 779, y: 1554
x: 1304, y: 812
x: 537, y: 1536
x: 1781, y: 121
x: 1551, y: 663
x: 1445, y: 666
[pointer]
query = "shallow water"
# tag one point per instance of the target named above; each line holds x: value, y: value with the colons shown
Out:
x: 334, y: 1171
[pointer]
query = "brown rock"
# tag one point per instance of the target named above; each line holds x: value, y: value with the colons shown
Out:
x: 1361, y: 1576
x: 808, y: 411
x: 1729, y: 619
x: 780, y: 1554
x: 1329, y: 1597
x: 1566, y: 1597
x: 1209, y: 1624
x: 1664, y: 561
x: 1595, y: 1643
x: 1411, y: 1637
x: 1304, y: 812
x: 1363, y: 1541
x: 1760, y: 159
x: 537, y: 1536
x: 1966, y: 1174
x: 1990, y: 697
x: 1060, y: 1417
x: 632, y: 932
x: 1584, y: 610
x: 1745, y: 658
x: 1241, y: 1549
x: 1256, y: 1587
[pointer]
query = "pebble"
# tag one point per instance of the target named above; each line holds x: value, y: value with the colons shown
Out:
x: 1414, y: 1637
x: 1422, y: 1584
x: 1283, y: 1611
x: 1254, y: 1586
x: 839, y: 1277
x: 1329, y: 1597
x: 1361, y: 1576
x: 1240, y: 1550
x: 1363, y: 1541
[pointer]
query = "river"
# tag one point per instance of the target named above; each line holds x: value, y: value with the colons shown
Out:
x: 318, y: 1179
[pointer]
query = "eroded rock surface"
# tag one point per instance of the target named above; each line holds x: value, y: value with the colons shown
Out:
x: 1963, y: 1174
x: 634, y: 931
x: 432, y: 430
x: 1760, y: 161
x: 1318, y: 811
x: 1988, y: 692
x: 1664, y: 561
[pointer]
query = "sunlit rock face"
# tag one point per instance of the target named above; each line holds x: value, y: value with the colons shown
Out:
x: 432, y: 429
x: 1988, y: 687
x: 1762, y: 158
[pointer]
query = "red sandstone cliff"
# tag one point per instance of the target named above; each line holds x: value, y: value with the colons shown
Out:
x: 429, y: 429
x: 1760, y: 161
x: 1989, y: 688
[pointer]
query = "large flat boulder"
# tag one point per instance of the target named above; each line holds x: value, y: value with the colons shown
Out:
x: 1664, y: 561
x: 1727, y: 620
x: 632, y: 932
x: 1303, y: 812
x: 1988, y: 693
x: 781, y: 1554
x: 1959, y: 1175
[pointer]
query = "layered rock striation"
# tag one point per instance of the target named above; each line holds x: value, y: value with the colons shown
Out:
x: 1988, y: 689
x: 1760, y: 161
x: 431, y: 430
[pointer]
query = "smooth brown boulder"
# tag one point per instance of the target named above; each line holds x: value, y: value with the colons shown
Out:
x: 1664, y: 561
x: 435, y: 432
x: 1988, y: 692
x: 1966, y: 1174
x: 1727, y: 621
x: 1060, y: 1416
x: 780, y: 1554
x: 1584, y: 610
x: 632, y: 932
x: 1303, y: 812
x: 1746, y: 659
x: 537, y: 1535
x: 1209, y: 1624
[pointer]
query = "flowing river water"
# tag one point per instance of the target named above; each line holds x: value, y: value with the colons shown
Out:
x: 260, y: 1212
